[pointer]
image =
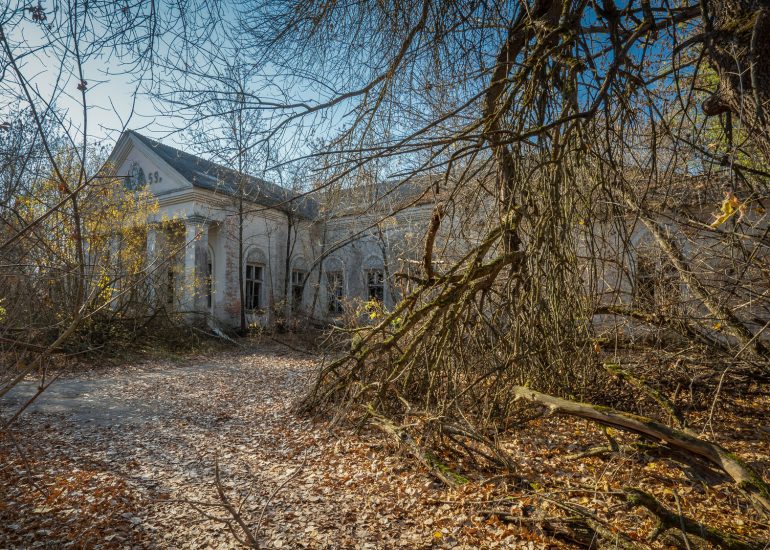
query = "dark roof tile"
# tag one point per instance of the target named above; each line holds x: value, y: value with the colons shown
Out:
x: 209, y: 175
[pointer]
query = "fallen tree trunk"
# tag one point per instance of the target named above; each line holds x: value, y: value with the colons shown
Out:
x: 747, y: 479
x: 580, y: 528
x: 670, y: 520
x: 616, y: 370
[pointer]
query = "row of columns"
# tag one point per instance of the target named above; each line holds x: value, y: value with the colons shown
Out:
x: 192, y: 288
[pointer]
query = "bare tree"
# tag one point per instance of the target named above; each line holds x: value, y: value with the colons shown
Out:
x: 222, y: 126
x: 61, y: 236
x: 577, y: 129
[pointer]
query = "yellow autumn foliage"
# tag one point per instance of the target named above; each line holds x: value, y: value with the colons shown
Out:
x: 104, y: 228
x: 730, y: 206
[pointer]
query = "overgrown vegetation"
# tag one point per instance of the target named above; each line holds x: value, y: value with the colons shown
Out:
x: 599, y: 244
x: 612, y: 214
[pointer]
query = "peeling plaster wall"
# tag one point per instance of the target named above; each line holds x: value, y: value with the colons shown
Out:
x: 394, y: 245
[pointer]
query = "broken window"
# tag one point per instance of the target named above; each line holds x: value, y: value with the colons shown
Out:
x: 644, y: 291
x: 656, y: 284
x: 335, y: 291
x: 170, y: 283
x: 297, y: 288
x: 253, y: 290
x: 375, y: 284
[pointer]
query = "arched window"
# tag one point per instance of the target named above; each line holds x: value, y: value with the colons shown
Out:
x: 335, y: 286
x: 656, y: 281
x: 374, y: 279
x: 135, y: 178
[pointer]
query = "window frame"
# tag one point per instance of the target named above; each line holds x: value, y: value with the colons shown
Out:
x: 252, y: 291
x: 297, y: 288
x: 209, y: 284
x: 379, y: 283
x: 170, y: 286
x: 656, y: 283
x: 335, y: 293
x: 644, y: 289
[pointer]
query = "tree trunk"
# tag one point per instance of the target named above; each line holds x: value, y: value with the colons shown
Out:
x: 241, y: 285
x: 497, y: 103
x: 737, y: 43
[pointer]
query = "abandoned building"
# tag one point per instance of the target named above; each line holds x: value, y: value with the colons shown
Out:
x: 324, y: 259
x: 296, y: 259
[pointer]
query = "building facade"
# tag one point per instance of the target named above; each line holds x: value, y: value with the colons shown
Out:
x: 297, y: 261
x: 326, y: 260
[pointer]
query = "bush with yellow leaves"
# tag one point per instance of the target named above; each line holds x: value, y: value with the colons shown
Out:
x: 81, y: 252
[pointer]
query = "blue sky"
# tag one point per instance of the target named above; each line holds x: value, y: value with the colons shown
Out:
x: 116, y: 90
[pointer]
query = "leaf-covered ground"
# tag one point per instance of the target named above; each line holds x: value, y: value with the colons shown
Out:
x: 124, y: 457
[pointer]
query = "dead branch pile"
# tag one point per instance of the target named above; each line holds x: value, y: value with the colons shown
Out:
x: 589, y: 238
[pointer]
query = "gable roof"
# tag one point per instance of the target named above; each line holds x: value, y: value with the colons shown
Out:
x: 206, y: 174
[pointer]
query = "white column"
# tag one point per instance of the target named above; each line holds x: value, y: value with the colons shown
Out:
x: 195, y: 265
x: 152, y: 266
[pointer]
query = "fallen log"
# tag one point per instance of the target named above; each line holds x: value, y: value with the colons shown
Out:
x: 580, y: 526
x: 670, y: 520
x: 572, y: 529
x: 616, y: 370
x: 746, y: 479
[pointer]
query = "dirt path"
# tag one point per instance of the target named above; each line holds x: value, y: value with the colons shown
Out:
x: 116, y: 456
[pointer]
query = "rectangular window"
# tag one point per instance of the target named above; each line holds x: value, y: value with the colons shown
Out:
x: 253, y: 290
x: 297, y: 288
x: 657, y: 286
x: 335, y: 291
x: 375, y: 284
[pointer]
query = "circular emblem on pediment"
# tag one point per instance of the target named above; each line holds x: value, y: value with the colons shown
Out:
x: 135, y: 178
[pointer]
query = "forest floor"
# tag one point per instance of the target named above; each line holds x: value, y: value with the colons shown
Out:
x: 124, y: 457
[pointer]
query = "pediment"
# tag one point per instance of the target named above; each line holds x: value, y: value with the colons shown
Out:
x: 140, y: 167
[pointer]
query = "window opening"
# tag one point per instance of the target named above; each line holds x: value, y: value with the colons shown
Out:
x: 170, y: 287
x: 253, y: 290
x: 375, y: 284
x: 297, y: 288
x: 335, y: 291
x: 209, y: 284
